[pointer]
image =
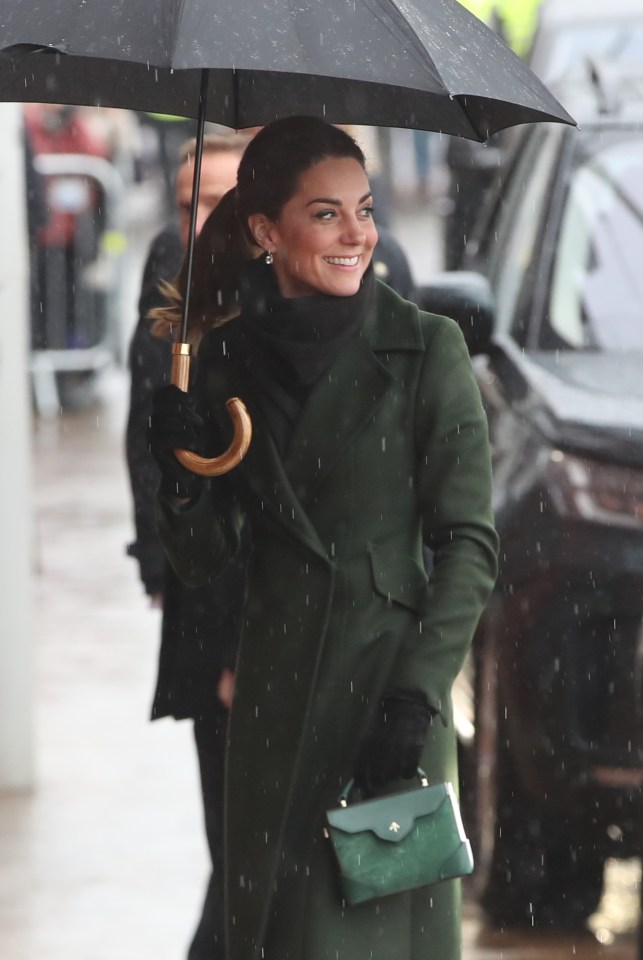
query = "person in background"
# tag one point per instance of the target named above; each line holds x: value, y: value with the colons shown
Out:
x: 369, y: 440
x: 422, y: 155
x: 149, y: 355
x: 390, y: 263
x: 66, y: 241
x: 198, y: 633
x: 171, y: 132
x: 36, y: 219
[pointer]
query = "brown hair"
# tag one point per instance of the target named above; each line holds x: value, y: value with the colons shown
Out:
x: 269, y: 173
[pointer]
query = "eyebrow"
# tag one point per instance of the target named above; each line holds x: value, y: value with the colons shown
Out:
x: 337, y: 203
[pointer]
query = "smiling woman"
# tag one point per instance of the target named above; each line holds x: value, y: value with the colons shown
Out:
x: 370, y: 442
x: 324, y: 238
x: 303, y: 199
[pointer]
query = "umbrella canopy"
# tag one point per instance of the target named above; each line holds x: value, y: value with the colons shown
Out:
x: 427, y: 64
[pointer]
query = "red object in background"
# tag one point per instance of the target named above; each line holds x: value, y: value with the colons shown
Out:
x: 56, y: 128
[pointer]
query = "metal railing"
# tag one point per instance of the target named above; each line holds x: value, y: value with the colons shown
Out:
x: 76, y: 320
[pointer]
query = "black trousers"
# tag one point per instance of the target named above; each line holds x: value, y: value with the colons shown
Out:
x: 210, y: 736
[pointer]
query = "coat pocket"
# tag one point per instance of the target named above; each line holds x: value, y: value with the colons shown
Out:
x: 398, y: 577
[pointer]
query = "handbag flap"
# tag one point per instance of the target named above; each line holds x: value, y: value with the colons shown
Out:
x: 391, y: 817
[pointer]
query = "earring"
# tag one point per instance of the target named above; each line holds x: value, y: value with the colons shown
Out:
x: 269, y: 257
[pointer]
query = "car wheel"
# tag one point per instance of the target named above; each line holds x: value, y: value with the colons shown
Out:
x: 533, y: 868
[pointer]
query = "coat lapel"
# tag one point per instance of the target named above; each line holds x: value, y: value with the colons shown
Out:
x: 341, y: 403
x: 345, y: 399
x: 339, y: 406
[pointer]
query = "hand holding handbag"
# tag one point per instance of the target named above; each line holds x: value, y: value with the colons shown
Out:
x: 398, y: 842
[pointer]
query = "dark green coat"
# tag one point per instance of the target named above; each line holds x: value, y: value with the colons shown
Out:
x: 391, y: 448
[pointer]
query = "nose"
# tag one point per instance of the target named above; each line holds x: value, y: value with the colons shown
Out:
x: 354, y: 233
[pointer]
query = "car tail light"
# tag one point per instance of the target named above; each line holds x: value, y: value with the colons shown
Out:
x: 595, y: 491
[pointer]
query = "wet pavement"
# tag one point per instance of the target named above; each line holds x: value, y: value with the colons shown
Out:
x: 106, y: 857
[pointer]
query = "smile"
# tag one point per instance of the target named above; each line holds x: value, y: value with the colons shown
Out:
x: 342, y: 261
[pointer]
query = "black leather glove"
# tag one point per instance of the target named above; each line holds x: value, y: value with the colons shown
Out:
x: 175, y: 423
x: 393, y: 748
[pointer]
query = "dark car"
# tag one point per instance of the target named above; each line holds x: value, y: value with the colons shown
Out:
x: 552, y: 307
x: 570, y: 33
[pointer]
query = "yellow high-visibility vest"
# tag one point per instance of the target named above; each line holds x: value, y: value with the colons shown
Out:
x: 516, y: 20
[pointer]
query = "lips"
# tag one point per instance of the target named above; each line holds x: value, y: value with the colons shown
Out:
x: 342, y: 261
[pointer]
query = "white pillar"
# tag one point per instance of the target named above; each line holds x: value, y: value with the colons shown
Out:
x: 16, y: 599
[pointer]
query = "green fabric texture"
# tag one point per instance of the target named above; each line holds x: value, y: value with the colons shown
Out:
x: 398, y: 842
x: 390, y: 451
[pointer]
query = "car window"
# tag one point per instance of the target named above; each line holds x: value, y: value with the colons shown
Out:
x: 571, y: 46
x: 519, y: 227
x: 597, y: 279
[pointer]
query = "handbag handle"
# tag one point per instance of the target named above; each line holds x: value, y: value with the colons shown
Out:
x: 344, y: 795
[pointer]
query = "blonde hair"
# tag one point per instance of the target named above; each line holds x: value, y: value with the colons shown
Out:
x: 232, y: 142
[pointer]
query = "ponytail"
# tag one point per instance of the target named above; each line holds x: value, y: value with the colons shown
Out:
x: 219, y: 252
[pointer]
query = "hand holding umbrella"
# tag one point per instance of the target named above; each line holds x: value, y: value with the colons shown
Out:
x: 180, y: 375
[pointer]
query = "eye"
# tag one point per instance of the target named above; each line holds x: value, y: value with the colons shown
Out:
x: 367, y: 211
x: 325, y: 215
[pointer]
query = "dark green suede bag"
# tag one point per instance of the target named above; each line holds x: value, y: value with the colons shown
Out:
x: 398, y: 842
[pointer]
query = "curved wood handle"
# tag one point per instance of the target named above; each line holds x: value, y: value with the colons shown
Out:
x: 232, y: 457
x: 215, y: 466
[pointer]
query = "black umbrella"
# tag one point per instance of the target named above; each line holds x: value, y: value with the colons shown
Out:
x: 426, y: 64
x: 418, y: 63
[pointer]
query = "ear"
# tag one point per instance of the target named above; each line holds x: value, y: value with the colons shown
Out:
x: 264, y: 230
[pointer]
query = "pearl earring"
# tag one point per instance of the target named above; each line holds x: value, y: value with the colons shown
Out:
x: 269, y: 257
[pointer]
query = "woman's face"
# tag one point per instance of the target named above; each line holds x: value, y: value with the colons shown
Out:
x: 324, y: 238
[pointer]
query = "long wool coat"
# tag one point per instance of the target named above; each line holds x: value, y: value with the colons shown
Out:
x: 390, y: 450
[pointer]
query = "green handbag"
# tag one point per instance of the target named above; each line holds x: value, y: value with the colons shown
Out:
x: 398, y: 842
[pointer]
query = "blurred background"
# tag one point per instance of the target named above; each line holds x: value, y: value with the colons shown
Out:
x: 533, y: 243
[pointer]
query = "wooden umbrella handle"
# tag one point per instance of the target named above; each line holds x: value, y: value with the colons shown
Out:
x: 232, y: 457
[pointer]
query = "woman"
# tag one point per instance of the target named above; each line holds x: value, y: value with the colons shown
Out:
x: 369, y: 440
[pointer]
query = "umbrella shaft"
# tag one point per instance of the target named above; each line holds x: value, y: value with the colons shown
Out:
x: 196, y: 182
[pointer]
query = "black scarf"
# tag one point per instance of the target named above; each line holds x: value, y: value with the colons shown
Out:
x: 293, y: 342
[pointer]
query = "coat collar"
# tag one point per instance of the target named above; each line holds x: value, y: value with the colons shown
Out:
x: 338, y: 407
x: 394, y: 324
